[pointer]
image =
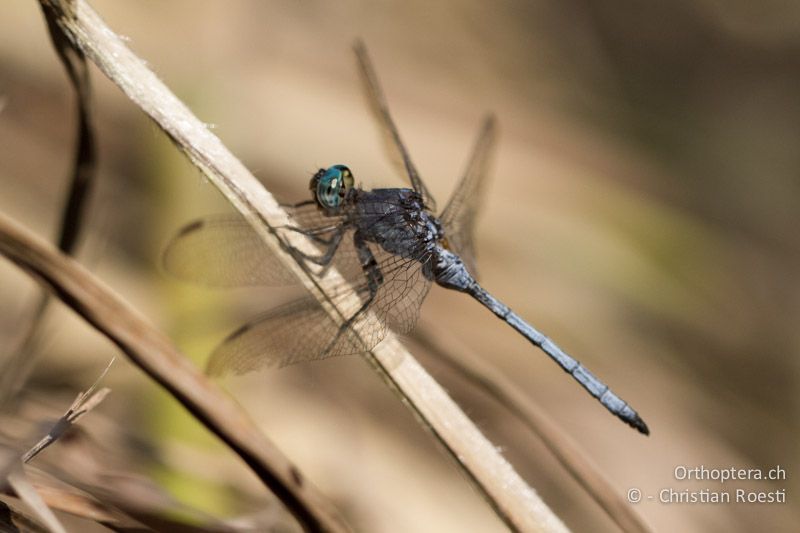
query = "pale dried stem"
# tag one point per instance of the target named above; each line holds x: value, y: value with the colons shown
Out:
x: 85, y: 402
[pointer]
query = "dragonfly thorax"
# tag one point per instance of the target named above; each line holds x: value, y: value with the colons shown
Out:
x: 396, y: 219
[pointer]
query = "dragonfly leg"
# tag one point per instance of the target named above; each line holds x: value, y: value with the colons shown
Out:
x: 331, y: 244
x: 298, y: 204
x: 314, y: 233
x: 374, y: 280
x: 368, y: 263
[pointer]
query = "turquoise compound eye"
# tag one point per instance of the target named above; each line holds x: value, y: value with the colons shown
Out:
x: 333, y: 186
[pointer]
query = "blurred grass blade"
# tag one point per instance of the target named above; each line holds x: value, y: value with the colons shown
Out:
x: 27, y: 493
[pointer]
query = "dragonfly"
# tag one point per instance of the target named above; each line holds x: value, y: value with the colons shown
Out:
x: 387, y: 244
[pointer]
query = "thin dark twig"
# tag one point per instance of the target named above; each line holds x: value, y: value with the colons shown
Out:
x: 16, y: 366
x: 85, y: 162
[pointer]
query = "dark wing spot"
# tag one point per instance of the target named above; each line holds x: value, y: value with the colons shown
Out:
x: 240, y: 331
x: 296, y: 476
x: 194, y: 226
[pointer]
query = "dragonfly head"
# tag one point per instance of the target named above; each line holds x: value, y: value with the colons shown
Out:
x: 331, y: 185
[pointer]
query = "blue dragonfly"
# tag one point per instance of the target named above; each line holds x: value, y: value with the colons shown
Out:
x: 389, y: 246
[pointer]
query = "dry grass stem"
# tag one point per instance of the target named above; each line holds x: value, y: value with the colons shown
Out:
x: 515, y: 502
x: 85, y: 402
x: 151, y: 351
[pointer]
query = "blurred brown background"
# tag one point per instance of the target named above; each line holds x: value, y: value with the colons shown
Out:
x: 644, y: 212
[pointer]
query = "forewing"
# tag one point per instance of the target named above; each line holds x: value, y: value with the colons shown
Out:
x: 378, y: 105
x: 223, y: 251
x: 458, y: 217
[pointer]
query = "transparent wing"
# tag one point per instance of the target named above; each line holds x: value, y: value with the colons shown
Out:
x: 303, y: 331
x: 458, y: 217
x: 377, y: 102
x: 295, y: 332
x: 406, y: 283
x: 225, y: 251
x: 308, y: 215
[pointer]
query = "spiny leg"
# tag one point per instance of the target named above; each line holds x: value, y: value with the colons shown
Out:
x: 332, y: 245
x: 374, y: 280
x: 314, y: 233
x: 298, y: 204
